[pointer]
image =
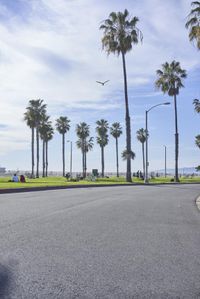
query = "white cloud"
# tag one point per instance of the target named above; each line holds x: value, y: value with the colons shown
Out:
x: 55, y: 54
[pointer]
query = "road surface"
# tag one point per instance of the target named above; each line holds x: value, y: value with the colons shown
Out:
x: 114, y: 242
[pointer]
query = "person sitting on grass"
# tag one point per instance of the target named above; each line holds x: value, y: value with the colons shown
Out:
x: 22, y: 178
x: 15, y: 178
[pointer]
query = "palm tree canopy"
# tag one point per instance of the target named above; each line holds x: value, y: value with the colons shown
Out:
x: 82, y: 130
x: 142, y: 135
x: 102, y: 129
x: 29, y: 118
x: 102, y: 140
x: 128, y: 154
x: 120, y: 32
x: 102, y: 126
x: 196, y: 103
x: 49, y: 134
x: 85, y: 145
x: 89, y: 144
x: 170, y: 78
x: 46, y: 130
x: 34, y: 112
x: 62, y: 124
x: 193, y: 23
x: 197, y: 140
x: 116, y: 130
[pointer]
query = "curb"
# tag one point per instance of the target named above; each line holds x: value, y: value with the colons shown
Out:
x: 49, y: 188
x: 35, y: 189
x: 198, y: 202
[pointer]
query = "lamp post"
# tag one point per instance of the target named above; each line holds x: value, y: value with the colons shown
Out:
x: 165, y: 160
x: 70, y: 158
x: 146, y: 180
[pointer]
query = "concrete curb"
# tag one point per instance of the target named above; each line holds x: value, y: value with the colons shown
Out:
x: 34, y: 189
x: 198, y: 202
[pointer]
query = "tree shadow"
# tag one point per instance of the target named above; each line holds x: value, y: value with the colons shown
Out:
x: 5, y: 280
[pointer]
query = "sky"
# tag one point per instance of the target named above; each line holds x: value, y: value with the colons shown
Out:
x: 52, y: 50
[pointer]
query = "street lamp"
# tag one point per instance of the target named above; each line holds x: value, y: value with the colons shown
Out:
x: 70, y: 158
x: 165, y: 160
x: 146, y: 180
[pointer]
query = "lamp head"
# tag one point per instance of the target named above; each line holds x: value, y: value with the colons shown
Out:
x: 167, y: 103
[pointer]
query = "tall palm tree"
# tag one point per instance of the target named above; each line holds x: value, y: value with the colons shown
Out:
x: 85, y: 147
x: 63, y: 126
x: 196, y: 103
x: 193, y: 23
x: 30, y: 121
x: 88, y: 147
x: 170, y: 81
x: 36, y: 110
x: 120, y: 33
x: 82, y: 131
x: 102, y: 139
x: 49, y: 136
x: 43, y: 129
x: 116, y: 131
x: 142, y: 137
x: 197, y: 140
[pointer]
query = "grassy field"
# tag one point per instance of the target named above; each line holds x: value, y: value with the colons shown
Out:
x: 60, y: 181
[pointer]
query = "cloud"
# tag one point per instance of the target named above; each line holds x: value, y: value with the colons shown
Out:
x: 51, y: 49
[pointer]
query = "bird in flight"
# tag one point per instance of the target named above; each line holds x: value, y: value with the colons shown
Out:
x: 103, y: 83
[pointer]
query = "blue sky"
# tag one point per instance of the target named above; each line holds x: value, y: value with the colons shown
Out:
x: 51, y: 49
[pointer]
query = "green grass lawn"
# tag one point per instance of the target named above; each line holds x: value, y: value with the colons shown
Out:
x: 60, y: 181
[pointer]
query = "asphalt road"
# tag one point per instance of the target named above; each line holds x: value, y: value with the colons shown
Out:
x: 115, y: 242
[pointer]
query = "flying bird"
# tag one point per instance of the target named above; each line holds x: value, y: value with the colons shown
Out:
x: 102, y: 83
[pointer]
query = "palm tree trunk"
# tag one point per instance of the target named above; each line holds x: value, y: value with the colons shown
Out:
x: 117, y: 159
x: 85, y: 164
x: 143, y: 157
x: 46, y: 158
x: 37, y: 141
x: 83, y: 161
x: 63, y: 152
x: 176, y: 140
x: 32, y: 147
x: 43, y: 159
x: 102, y: 161
x: 128, y: 124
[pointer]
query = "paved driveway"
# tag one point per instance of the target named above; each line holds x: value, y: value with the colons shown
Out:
x: 122, y: 242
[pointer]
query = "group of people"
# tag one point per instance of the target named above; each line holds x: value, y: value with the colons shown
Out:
x: 17, y: 179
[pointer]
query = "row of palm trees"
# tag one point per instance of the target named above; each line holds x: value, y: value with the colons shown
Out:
x: 37, y: 119
x: 120, y: 34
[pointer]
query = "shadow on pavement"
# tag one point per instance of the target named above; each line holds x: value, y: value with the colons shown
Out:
x: 5, y: 279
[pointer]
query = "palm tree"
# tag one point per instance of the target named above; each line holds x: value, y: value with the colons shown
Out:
x: 49, y: 136
x: 128, y: 155
x: 85, y: 147
x: 142, y: 137
x: 120, y: 33
x: 197, y: 140
x: 45, y: 125
x: 29, y: 118
x: 196, y: 103
x: 88, y: 147
x: 116, y: 131
x: 35, y: 111
x: 102, y: 139
x: 193, y: 23
x: 82, y: 131
x: 170, y: 81
x: 63, y: 126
